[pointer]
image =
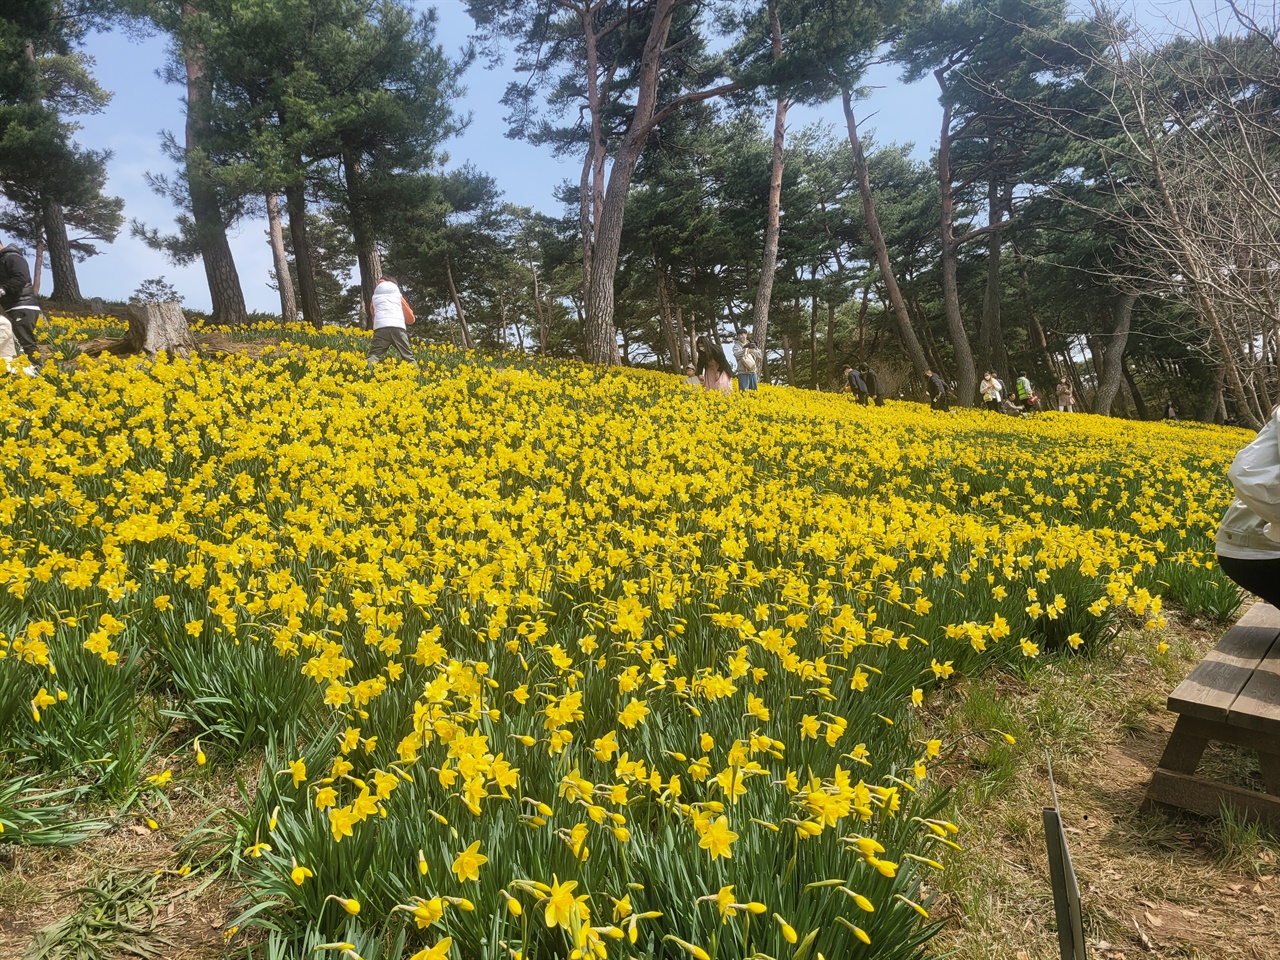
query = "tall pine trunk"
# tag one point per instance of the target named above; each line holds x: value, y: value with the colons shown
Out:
x: 966, y: 378
x: 906, y: 330
x: 991, y: 352
x: 37, y: 266
x: 368, y: 260
x: 463, y: 329
x: 280, y: 260
x: 600, y: 334
x: 295, y: 196
x: 1112, y: 367
x: 773, y: 225
x: 66, y: 288
x: 206, y: 213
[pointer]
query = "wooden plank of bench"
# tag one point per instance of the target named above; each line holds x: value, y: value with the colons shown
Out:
x: 1217, y: 680
x: 1206, y: 797
x: 1258, y: 705
x: 1260, y: 615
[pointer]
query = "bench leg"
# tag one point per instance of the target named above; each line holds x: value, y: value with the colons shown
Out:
x: 1181, y: 755
x: 1185, y: 747
x: 1269, y: 764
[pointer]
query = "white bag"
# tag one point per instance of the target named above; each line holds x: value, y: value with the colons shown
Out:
x: 749, y: 360
x: 8, y: 346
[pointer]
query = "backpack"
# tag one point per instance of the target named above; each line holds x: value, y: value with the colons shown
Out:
x: 749, y: 360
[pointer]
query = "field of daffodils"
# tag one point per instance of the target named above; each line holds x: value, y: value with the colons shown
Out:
x: 526, y: 659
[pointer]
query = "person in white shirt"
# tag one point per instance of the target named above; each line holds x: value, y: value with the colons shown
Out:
x: 391, y: 316
x: 1248, y: 540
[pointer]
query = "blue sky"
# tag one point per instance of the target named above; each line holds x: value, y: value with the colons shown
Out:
x: 143, y: 105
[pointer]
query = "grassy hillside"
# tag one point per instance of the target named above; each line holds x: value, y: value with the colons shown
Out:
x: 520, y: 658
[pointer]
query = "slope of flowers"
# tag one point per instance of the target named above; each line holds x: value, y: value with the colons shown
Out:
x: 548, y: 660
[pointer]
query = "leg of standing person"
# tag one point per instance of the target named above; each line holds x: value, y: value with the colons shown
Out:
x: 400, y: 343
x: 24, y: 330
x: 744, y: 382
x: 1260, y: 577
x: 380, y: 344
x: 753, y: 380
x: 879, y: 400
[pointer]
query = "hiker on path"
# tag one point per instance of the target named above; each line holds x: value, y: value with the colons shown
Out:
x: 714, y: 366
x: 937, y: 391
x: 992, y: 391
x: 18, y: 300
x: 1248, y: 540
x: 872, y: 380
x: 391, y: 316
x: 748, y: 358
x: 855, y: 383
x: 1066, y: 396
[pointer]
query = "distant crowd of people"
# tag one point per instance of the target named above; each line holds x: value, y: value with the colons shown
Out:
x: 712, y: 371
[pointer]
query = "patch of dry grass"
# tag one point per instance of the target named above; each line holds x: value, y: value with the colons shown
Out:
x: 38, y: 885
x: 1152, y: 884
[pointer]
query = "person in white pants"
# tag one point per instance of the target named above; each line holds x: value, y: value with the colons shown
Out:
x: 9, y: 349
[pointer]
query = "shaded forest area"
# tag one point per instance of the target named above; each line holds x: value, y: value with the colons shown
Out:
x: 1101, y: 204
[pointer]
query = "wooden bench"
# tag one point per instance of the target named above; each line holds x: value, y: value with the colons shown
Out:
x: 1232, y: 696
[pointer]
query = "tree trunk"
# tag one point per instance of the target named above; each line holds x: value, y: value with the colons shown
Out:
x: 769, y: 262
x: 539, y: 309
x: 813, y: 336
x: 37, y: 268
x: 66, y: 288
x: 368, y: 259
x: 789, y: 359
x: 906, y: 331
x: 295, y: 195
x: 991, y: 353
x: 1112, y: 367
x: 1140, y: 408
x: 206, y: 213
x: 669, y: 332
x: 288, y: 304
x: 831, y: 342
x: 600, y: 334
x: 156, y: 327
x: 966, y: 376
x: 457, y: 305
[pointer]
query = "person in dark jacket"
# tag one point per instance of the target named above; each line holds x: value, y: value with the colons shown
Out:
x: 872, y: 380
x: 937, y: 391
x: 17, y: 298
x: 854, y: 382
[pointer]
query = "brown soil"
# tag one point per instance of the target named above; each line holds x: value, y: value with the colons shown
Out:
x: 39, y: 885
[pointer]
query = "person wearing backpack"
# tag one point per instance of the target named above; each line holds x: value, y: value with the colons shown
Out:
x: 937, y: 391
x: 872, y: 380
x: 748, y: 358
x: 854, y: 382
x: 1248, y: 539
